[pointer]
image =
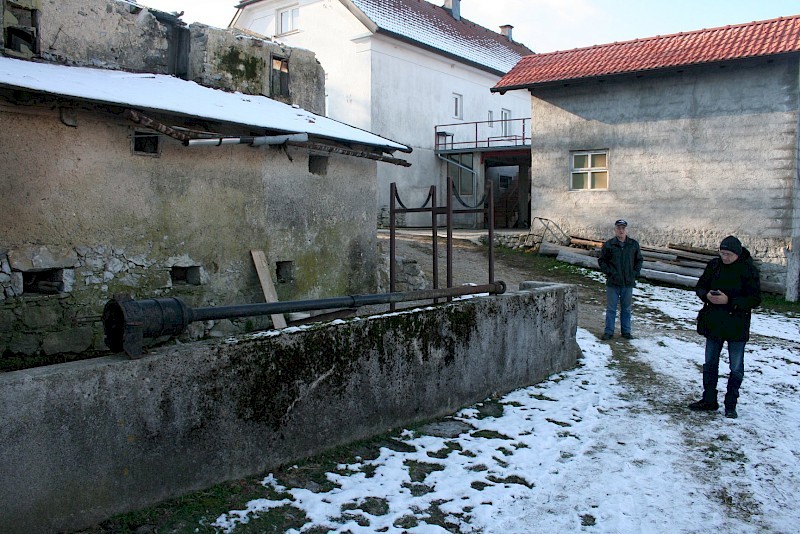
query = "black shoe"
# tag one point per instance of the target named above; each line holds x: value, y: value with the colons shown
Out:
x: 703, y: 406
x: 627, y: 335
x: 730, y: 413
x: 606, y: 337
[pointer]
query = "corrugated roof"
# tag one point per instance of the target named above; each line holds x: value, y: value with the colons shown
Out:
x: 164, y: 93
x: 433, y: 26
x: 754, y: 39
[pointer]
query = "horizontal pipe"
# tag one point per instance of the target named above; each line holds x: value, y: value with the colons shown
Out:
x: 351, y: 301
x: 250, y: 140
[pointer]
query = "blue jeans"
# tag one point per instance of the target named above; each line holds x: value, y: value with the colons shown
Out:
x: 711, y: 370
x: 623, y: 296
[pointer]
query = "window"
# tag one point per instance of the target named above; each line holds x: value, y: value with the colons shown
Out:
x: 505, y: 116
x: 589, y: 170
x: 21, y: 29
x: 463, y: 179
x: 318, y: 165
x: 490, y: 118
x: 288, y: 20
x: 284, y: 272
x: 185, y: 276
x: 146, y: 143
x: 279, y: 78
x: 43, y: 282
x: 458, y: 106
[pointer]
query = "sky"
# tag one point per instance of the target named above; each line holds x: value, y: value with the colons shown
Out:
x: 589, y: 450
x: 549, y: 25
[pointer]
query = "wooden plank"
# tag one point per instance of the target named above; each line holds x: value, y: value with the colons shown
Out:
x: 262, y: 268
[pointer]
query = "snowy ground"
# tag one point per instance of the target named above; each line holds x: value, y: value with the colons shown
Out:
x: 606, y: 447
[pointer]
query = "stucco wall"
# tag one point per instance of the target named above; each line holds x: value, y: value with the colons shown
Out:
x: 86, y: 440
x: 693, y: 157
x: 77, y: 198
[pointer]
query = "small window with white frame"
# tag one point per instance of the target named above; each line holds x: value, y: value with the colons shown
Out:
x: 505, y: 117
x: 288, y: 20
x: 588, y: 170
x: 458, y: 106
x: 490, y: 119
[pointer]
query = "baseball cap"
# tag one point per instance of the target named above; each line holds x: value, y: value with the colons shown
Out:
x: 621, y: 222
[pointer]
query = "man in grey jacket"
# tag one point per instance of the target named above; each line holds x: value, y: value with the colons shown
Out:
x: 621, y: 261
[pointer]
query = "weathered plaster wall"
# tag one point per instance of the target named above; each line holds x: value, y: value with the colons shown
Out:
x: 86, y: 440
x: 117, y: 35
x: 233, y: 61
x: 693, y: 157
x: 78, y: 199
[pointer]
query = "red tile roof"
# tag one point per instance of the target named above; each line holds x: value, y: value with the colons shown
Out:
x: 754, y: 39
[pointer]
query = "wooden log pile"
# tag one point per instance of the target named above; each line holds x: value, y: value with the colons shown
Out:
x: 679, y: 265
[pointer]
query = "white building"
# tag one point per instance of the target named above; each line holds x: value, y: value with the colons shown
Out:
x: 402, y: 68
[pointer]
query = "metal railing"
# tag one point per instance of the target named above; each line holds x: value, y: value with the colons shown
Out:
x: 483, y: 134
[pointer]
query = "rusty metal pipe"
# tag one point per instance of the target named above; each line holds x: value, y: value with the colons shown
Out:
x: 127, y: 322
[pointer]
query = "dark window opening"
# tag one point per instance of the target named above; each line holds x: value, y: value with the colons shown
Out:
x: 44, y: 282
x: 21, y: 34
x: 279, y: 78
x: 185, y: 276
x: 318, y: 165
x: 284, y: 272
x: 146, y: 143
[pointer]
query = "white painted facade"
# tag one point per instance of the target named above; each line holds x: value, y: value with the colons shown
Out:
x: 388, y: 86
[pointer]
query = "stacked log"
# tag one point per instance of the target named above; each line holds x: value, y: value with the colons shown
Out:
x: 679, y: 265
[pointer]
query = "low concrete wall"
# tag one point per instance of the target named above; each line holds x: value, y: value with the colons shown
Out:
x: 80, y: 442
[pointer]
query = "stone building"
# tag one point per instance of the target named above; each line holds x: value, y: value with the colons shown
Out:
x: 104, y: 191
x: 690, y: 137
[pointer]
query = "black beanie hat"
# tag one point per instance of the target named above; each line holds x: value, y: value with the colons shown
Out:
x: 731, y: 244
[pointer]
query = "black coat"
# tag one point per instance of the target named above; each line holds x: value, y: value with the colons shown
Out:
x: 621, y: 262
x: 740, y: 281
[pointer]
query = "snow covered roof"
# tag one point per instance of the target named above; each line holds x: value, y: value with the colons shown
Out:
x: 167, y: 94
x: 434, y: 27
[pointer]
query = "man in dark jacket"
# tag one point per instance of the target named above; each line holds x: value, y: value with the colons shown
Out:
x: 621, y: 260
x: 729, y: 288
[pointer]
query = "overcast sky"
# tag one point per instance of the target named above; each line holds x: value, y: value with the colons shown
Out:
x: 548, y: 25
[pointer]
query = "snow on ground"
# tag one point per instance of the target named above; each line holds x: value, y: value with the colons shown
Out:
x: 606, y: 447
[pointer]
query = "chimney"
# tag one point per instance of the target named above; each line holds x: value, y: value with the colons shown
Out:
x: 506, y: 30
x: 455, y: 8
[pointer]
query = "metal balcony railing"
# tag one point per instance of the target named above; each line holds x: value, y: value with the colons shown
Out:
x: 483, y: 134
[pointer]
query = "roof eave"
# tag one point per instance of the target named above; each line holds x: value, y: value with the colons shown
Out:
x: 640, y: 73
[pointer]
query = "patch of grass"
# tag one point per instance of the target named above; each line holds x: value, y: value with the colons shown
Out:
x: 419, y: 471
x: 489, y: 434
x: 445, y: 451
x: 513, y: 479
x: 780, y: 305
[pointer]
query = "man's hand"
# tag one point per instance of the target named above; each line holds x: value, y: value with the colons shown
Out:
x: 717, y: 297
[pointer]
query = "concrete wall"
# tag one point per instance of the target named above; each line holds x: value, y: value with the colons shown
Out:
x: 86, y: 440
x: 693, y: 157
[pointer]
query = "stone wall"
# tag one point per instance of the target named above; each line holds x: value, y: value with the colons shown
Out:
x: 104, y: 220
x: 86, y: 440
x: 693, y: 156
x: 84, y: 217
